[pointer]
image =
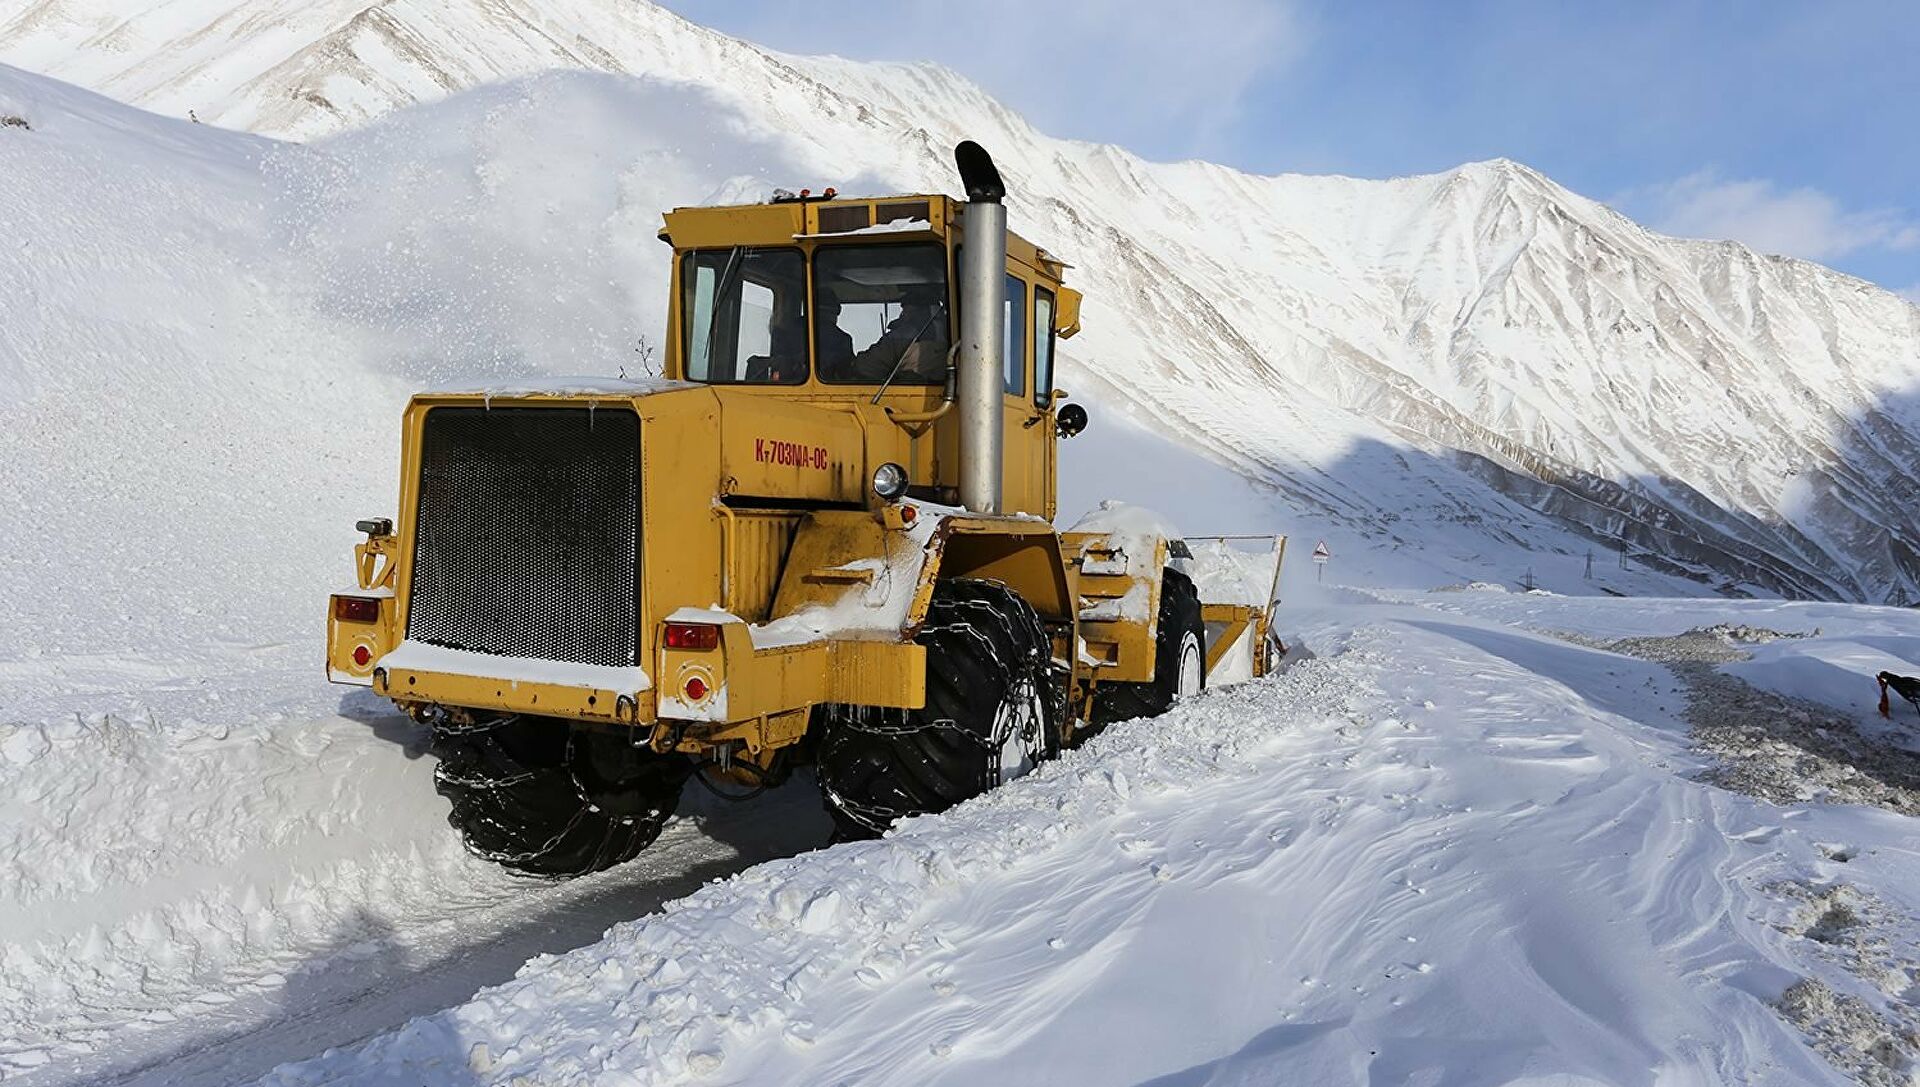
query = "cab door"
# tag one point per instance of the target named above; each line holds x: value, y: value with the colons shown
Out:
x: 1025, y: 468
x: 1040, y: 402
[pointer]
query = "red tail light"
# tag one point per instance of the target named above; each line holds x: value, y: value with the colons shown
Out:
x: 692, y: 636
x: 696, y: 689
x: 356, y: 609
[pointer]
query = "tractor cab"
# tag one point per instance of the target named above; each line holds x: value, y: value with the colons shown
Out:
x: 853, y: 304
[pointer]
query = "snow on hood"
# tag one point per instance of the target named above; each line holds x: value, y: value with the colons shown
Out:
x: 877, y: 606
x: 1125, y: 521
x: 566, y: 385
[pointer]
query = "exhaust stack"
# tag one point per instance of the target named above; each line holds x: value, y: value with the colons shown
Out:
x: 983, y: 270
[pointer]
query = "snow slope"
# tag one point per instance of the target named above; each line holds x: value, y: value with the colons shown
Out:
x: 206, y: 339
x: 209, y: 336
x: 1748, y: 419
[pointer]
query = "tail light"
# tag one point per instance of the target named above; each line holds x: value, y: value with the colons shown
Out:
x: 696, y: 689
x: 693, y: 636
x: 356, y: 609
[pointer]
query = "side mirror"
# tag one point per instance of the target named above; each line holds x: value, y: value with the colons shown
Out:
x: 1071, y: 420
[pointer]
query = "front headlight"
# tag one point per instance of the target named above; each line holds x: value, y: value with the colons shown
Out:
x: 889, y: 481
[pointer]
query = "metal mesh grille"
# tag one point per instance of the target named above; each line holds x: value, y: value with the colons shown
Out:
x: 526, y: 537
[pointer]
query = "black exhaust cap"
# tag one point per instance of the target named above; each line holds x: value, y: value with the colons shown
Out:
x: 978, y: 175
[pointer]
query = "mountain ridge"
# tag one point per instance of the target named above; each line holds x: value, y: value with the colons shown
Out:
x: 1747, y: 419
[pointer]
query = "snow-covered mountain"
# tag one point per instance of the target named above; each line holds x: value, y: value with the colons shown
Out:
x: 1381, y: 352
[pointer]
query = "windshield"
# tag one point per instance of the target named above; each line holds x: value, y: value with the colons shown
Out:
x: 745, y: 316
x: 880, y: 311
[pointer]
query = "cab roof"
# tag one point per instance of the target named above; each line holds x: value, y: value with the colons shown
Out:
x: 807, y: 220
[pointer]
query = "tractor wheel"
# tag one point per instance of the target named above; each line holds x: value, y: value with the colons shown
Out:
x: 995, y: 706
x: 541, y: 797
x: 1273, y: 653
x: 1179, y: 661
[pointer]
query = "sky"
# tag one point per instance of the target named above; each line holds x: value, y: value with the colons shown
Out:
x: 1786, y: 125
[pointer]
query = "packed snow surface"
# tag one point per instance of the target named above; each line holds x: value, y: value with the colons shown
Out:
x: 1444, y: 850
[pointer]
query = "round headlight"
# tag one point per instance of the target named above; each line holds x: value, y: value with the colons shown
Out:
x: 889, y: 481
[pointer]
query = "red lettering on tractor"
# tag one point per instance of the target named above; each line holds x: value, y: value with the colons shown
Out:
x: 792, y: 454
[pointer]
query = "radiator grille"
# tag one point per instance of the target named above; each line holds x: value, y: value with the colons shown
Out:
x: 526, y: 535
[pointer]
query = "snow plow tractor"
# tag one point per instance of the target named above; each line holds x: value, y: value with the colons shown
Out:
x: 824, y: 537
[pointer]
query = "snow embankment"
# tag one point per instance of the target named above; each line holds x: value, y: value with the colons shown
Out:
x: 1446, y: 850
x: 206, y: 340
x: 216, y: 875
x: 1818, y: 652
x: 170, y: 862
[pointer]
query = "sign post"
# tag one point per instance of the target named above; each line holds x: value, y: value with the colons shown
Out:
x: 1320, y: 557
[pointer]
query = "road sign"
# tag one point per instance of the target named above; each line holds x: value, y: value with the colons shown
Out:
x: 1321, y: 554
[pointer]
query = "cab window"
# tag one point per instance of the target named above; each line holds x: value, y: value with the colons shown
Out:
x: 1042, y: 346
x: 745, y: 315
x: 1014, y: 359
x: 880, y: 314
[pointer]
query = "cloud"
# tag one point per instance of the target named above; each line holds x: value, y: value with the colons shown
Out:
x: 1796, y: 222
x: 1085, y: 69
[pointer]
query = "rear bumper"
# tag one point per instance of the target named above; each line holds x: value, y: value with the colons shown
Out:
x: 742, y: 683
x: 417, y: 672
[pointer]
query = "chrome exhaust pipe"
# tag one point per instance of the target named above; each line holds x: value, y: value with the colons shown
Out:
x: 983, y: 271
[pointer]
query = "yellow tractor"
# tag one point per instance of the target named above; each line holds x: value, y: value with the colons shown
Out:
x: 824, y: 536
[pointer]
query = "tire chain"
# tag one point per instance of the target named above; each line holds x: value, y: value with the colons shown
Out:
x: 878, y: 817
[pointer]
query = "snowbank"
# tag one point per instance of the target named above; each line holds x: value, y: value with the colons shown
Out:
x: 181, y: 853
x: 1824, y: 653
x: 210, y: 338
x: 206, y: 340
x: 1837, y: 671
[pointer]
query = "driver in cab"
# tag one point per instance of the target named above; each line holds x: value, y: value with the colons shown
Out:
x: 913, y: 349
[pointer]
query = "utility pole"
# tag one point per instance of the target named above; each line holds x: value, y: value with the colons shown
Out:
x: 1526, y: 580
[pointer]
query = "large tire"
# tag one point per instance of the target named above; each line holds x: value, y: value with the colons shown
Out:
x: 545, y: 798
x: 1179, y: 660
x: 995, y: 706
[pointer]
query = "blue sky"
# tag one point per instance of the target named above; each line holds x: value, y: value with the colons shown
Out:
x: 1790, y: 126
